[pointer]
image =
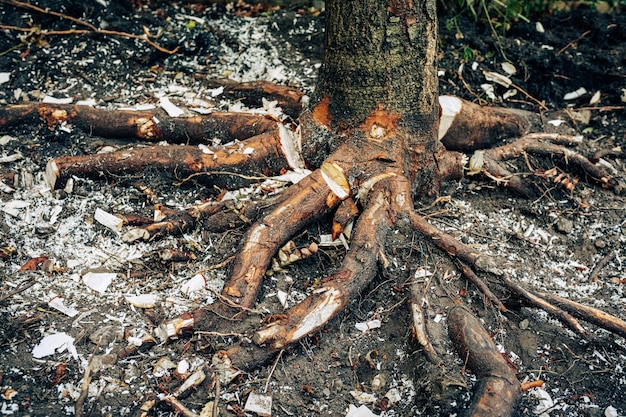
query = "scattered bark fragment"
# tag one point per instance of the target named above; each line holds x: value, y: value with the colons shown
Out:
x: 33, y: 263
x: 7, y: 251
x: 60, y: 374
x: 259, y: 404
x: 139, y: 340
x: 387, y: 156
x: 179, y: 407
x: 175, y: 255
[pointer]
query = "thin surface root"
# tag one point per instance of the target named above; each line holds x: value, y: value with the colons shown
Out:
x: 589, y: 314
x: 419, y: 323
x: 551, y: 145
x: 539, y: 302
x: 214, y: 217
x: 482, y: 287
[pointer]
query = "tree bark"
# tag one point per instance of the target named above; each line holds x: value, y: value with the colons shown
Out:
x: 378, y: 84
x: 497, y: 390
x: 380, y: 54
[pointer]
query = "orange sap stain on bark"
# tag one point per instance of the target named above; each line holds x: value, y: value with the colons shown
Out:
x: 321, y: 113
x: 380, y: 124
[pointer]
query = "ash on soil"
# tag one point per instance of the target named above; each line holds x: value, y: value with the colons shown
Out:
x: 581, y: 48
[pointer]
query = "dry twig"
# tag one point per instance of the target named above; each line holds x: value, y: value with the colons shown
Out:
x: 91, y: 28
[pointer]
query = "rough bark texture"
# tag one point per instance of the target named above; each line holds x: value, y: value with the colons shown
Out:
x: 221, y: 166
x: 151, y: 126
x: 498, y: 389
x: 383, y: 54
x: 379, y: 77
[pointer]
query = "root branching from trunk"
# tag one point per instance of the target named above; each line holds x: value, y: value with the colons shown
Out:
x: 369, y: 173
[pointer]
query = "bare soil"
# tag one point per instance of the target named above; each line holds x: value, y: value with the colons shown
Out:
x: 552, y: 242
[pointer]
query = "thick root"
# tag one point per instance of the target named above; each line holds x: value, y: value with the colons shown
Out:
x: 497, y: 390
x: 304, y: 202
x: 265, y: 155
x: 465, y: 126
x: 314, y: 312
x: 150, y: 126
x: 358, y: 269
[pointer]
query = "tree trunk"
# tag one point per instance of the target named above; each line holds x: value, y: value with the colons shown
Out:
x: 378, y: 76
x: 380, y: 54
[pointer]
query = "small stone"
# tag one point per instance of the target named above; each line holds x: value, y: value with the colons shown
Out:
x: 564, y: 226
x: 600, y: 244
x: 523, y: 325
x: 100, y: 362
x: 106, y: 334
x: 337, y: 385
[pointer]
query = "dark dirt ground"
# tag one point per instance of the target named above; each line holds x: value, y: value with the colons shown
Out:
x: 551, y: 242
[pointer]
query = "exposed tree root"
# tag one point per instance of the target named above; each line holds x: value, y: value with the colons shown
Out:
x: 497, y: 390
x: 375, y: 142
x: 265, y: 154
x: 482, y: 286
x: 546, y: 145
x: 589, y: 314
x: 150, y: 126
x: 305, y: 201
x: 376, y: 167
x: 213, y: 216
x: 358, y: 269
x: 420, y: 331
x: 253, y: 93
x: 539, y: 302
